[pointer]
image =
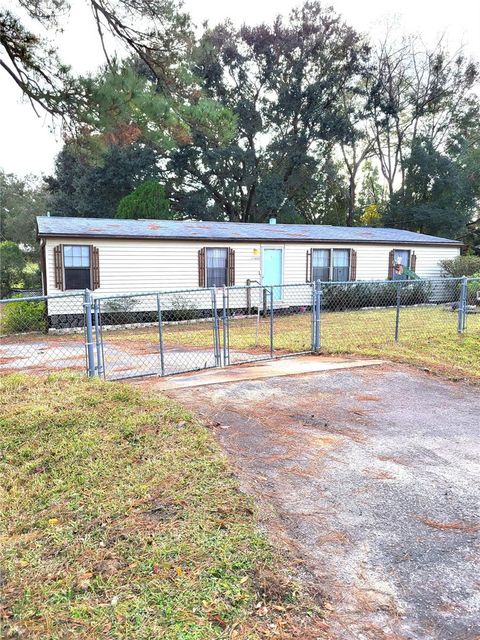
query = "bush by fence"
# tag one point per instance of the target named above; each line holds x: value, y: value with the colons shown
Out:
x: 341, y: 297
x: 473, y: 289
x: 23, y: 316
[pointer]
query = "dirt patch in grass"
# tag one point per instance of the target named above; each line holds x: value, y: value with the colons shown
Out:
x: 122, y: 519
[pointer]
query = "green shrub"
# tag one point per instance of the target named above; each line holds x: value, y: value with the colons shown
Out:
x: 148, y: 201
x: 461, y: 266
x: 32, y: 278
x: 340, y: 297
x: 22, y: 316
x: 120, y: 305
x: 182, y: 309
x: 473, y: 289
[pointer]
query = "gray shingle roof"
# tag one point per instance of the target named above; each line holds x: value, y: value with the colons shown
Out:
x: 231, y: 231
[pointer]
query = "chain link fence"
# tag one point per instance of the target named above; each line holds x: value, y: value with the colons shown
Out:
x: 43, y: 333
x: 170, y: 332
x: 419, y: 321
x: 159, y: 333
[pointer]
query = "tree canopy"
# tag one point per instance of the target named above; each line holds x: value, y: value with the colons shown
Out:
x: 304, y: 118
x: 147, y: 201
x: 11, y: 267
x: 86, y: 185
x: 21, y: 199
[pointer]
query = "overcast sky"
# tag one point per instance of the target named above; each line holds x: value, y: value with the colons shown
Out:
x: 27, y: 145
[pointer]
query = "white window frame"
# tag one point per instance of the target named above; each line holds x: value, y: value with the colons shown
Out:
x: 207, y: 249
x: 65, y: 268
x: 406, y: 266
x: 331, y: 250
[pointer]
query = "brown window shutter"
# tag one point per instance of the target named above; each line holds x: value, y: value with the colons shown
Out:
x: 95, y: 265
x: 308, y: 274
x: 58, y: 266
x: 391, y: 258
x: 201, y: 267
x: 353, y: 264
x: 231, y: 268
x: 413, y: 261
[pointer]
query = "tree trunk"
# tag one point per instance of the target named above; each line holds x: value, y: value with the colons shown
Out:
x: 352, y: 196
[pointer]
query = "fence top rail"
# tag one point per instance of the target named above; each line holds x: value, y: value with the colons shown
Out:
x: 162, y: 292
x: 197, y: 290
x: 60, y: 296
x: 386, y: 282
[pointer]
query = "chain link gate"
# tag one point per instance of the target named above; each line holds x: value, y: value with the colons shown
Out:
x: 171, y: 332
x: 156, y: 334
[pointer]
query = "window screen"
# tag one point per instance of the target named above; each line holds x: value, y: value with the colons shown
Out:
x: 341, y: 265
x: 321, y: 265
x: 76, y: 260
x: 401, y: 260
x: 216, y: 267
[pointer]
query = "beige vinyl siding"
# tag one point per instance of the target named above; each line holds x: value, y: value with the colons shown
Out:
x: 154, y: 265
x: 150, y: 265
x: 372, y: 259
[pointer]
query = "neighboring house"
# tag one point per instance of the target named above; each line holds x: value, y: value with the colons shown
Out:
x: 121, y: 256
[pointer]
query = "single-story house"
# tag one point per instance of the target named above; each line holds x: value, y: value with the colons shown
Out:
x: 116, y: 256
x: 124, y: 256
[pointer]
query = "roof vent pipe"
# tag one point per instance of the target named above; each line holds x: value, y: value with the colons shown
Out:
x: 272, y: 220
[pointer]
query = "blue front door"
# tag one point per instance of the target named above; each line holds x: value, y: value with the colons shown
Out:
x: 272, y: 271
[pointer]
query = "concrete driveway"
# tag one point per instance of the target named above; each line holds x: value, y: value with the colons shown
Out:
x: 371, y: 477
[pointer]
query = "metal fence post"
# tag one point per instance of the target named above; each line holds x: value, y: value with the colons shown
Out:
x: 318, y: 312
x: 397, y: 313
x: 89, y: 333
x: 98, y: 338
x: 271, y: 322
x: 160, y: 335
x: 226, y: 350
x: 462, y: 306
x: 312, y: 287
x: 216, y: 333
x: 264, y: 302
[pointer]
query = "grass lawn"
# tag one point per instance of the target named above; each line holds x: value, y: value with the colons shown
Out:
x: 428, y: 337
x: 121, y: 519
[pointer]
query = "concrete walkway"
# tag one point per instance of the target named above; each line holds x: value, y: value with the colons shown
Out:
x: 301, y: 365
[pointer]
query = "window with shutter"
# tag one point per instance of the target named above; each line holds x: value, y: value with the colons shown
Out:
x: 217, y: 270
x: 58, y: 266
x: 321, y: 259
x: 231, y: 268
x: 77, y: 266
x: 201, y: 267
x: 308, y: 273
x: 333, y: 265
x: 401, y: 262
x: 341, y: 265
x: 353, y: 264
